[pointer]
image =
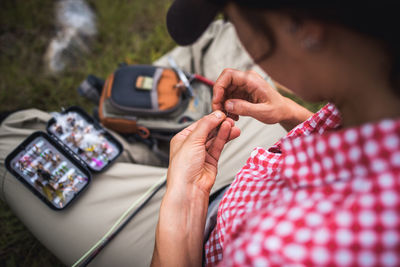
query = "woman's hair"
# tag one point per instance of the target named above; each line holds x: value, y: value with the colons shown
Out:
x: 378, y: 20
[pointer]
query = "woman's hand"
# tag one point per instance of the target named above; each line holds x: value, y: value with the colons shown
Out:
x: 194, y: 156
x: 248, y: 94
x: 195, y: 151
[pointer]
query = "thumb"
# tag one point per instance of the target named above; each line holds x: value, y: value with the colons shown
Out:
x: 243, y: 108
x: 207, y: 124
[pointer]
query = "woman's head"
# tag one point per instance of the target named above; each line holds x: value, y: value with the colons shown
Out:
x: 321, y: 50
x: 272, y: 33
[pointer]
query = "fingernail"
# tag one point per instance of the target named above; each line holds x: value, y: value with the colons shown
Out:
x: 229, y: 106
x: 218, y: 114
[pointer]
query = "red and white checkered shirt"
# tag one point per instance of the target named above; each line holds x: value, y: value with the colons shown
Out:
x: 322, y: 196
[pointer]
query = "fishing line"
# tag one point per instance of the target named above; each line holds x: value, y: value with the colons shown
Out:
x: 120, y: 224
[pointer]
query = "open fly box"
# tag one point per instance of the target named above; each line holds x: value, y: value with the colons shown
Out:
x: 58, y: 165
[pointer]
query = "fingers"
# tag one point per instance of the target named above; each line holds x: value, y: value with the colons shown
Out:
x: 214, y: 151
x: 206, y: 125
x: 235, y: 85
x: 243, y: 107
x: 232, y: 82
x: 214, y: 132
x: 180, y: 137
x: 233, y: 134
x: 185, y: 132
x: 214, y: 147
x: 224, y: 81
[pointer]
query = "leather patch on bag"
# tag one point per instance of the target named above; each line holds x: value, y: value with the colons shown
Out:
x: 120, y: 125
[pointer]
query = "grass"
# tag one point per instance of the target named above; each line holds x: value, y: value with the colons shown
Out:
x: 131, y: 31
x: 17, y: 245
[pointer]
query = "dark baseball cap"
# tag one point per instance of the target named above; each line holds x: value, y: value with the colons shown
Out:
x: 188, y: 19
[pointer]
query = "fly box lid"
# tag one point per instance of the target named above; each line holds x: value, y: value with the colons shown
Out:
x: 57, y: 166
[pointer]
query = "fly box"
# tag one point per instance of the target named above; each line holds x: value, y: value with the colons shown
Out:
x: 58, y: 165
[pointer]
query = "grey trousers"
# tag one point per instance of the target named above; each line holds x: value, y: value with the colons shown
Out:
x: 70, y: 233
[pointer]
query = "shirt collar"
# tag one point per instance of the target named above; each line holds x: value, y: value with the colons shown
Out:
x: 327, y: 154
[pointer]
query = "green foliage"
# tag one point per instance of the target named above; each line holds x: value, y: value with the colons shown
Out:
x: 314, y: 107
x: 129, y: 31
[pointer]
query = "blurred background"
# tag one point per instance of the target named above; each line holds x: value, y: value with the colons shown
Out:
x: 131, y: 31
x: 36, y: 70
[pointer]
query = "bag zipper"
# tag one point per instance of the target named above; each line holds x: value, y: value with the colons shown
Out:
x: 140, y: 111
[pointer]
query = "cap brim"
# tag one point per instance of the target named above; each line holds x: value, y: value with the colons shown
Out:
x: 188, y: 19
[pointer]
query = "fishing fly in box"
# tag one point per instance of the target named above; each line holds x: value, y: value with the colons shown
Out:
x: 57, y: 165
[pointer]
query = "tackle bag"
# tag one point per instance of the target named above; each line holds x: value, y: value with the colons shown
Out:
x: 146, y: 100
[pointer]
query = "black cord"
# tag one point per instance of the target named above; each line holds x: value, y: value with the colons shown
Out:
x: 119, y: 229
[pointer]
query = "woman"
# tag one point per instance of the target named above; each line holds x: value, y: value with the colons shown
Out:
x: 110, y: 193
x: 327, y: 194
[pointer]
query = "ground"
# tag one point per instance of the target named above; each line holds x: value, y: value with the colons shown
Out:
x: 129, y: 31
